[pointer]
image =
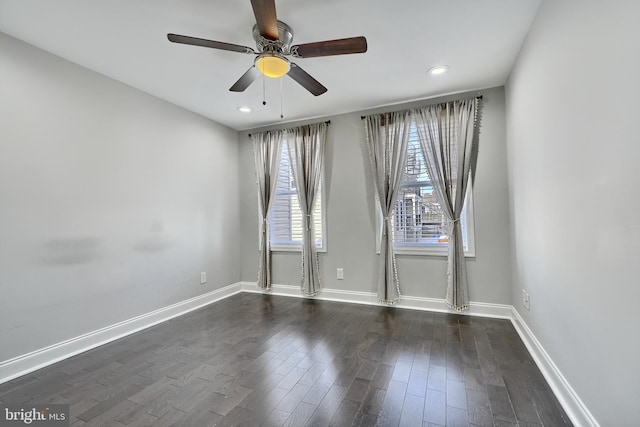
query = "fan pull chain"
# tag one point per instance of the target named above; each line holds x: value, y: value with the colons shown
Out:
x: 264, y: 92
x: 281, y: 99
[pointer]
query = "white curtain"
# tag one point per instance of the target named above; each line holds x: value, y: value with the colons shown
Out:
x: 387, y: 138
x: 446, y: 133
x: 267, y: 148
x: 306, y: 152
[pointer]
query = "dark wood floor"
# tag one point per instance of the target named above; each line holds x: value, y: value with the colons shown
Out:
x: 256, y: 360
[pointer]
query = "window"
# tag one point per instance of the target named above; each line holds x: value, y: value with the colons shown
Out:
x: 286, y: 217
x: 420, y: 226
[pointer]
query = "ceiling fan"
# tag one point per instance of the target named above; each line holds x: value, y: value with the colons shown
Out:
x: 273, y: 40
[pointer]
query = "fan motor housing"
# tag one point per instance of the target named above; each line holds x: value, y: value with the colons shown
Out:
x: 281, y: 45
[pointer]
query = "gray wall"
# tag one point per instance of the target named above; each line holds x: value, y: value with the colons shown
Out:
x: 351, y: 216
x: 573, y: 149
x: 111, y: 201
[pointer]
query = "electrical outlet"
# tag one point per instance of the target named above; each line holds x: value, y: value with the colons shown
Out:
x: 526, y: 301
x: 340, y: 273
x: 203, y: 278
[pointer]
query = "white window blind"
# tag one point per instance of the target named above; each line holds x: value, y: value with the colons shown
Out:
x: 286, y: 217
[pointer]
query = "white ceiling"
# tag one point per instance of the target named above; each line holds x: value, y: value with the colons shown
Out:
x: 126, y: 40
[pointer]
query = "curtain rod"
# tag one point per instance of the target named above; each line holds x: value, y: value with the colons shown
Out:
x: 477, y: 97
x: 327, y: 122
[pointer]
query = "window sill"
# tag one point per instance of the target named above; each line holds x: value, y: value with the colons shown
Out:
x: 428, y: 251
x: 293, y: 249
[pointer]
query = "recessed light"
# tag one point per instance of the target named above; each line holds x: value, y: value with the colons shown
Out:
x: 244, y: 109
x: 438, y: 70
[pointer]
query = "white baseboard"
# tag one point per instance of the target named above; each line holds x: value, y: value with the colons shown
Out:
x: 21, y: 365
x: 568, y: 398
x: 500, y: 311
x: 570, y: 401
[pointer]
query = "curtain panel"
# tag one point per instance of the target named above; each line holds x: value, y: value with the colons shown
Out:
x: 387, y: 137
x: 267, y: 148
x: 306, y: 153
x: 446, y: 133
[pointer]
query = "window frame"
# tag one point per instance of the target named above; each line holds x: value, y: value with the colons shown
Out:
x: 297, y: 247
x: 434, y: 250
x: 425, y: 249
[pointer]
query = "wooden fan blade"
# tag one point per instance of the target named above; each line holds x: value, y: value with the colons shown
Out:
x: 246, y: 80
x: 265, y: 13
x: 194, y: 41
x: 330, y: 47
x: 306, y: 81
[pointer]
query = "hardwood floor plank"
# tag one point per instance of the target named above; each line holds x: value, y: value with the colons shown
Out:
x: 373, y: 400
x: 143, y: 420
x: 263, y: 399
x: 240, y: 416
x: 314, y: 373
x: 358, y: 390
x: 117, y: 397
x: 162, y: 404
x: 479, y: 409
x: 153, y: 390
x: 367, y: 370
x: 293, y: 398
x: 345, y: 414
x: 105, y: 416
x: 520, y: 399
x: 193, y: 393
x: 170, y: 419
x: 382, y: 376
x: 417, y: 385
x: 437, y: 379
x: 412, y: 411
x: 365, y: 420
x: 221, y: 383
x: 328, y: 406
x: 455, y: 370
x: 500, y: 404
x: 402, y: 371
x: 457, y: 417
x: 135, y: 413
x: 421, y: 359
x: 473, y: 379
x: 300, y: 415
x: 348, y: 373
x: 456, y: 394
x: 256, y: 359
x: 549, y: 409
x: 315, y: 395
x: 438, y: 354
x: 392, y: 405
x: 500, y: 423
x: 291, y: 379
x: 276, y: 418
x: 435, y: 407
x: 231, y: 399
x: 198, y: 419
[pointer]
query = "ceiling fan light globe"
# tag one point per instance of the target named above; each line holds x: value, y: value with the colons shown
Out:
x: 438, y: 70
x: 272, y: 65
